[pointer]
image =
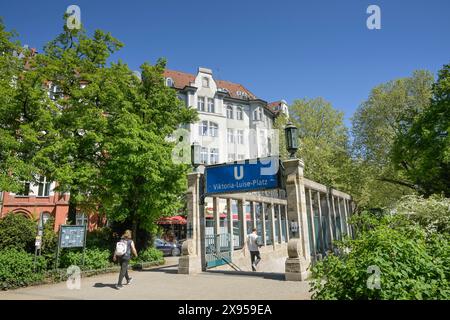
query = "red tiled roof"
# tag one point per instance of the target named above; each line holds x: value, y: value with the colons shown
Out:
x: 273, y: 105
x: 182, y: 79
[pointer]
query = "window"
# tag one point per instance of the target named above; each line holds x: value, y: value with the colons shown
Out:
x: 257, y: 114
x: 213, y: 155
x: 204, y: 155
x: 230, y: 135
x: 81, y: 219
x: 240, y: 137
x: 169, y: 82
x: 45, y: 217
x: 54, y: 92
x: 213, y: 129
x: 201, y: 103
x: 25, y: 192
x: 203, y: 128
x: 205, y: 82
x: 262, y: 143
x: 231, y: 157
x: 43, y: 187
x: 230, y: 112
x: 239, y: 113
x: 260, y: 114
x: 241, y: 156
x: 210, y: 105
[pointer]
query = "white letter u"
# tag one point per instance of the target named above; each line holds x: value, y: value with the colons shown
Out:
x: 240, y: 175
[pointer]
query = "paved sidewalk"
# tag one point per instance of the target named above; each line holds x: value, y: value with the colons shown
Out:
x: 164, y: 283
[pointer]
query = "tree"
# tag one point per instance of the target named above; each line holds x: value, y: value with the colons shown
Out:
x: 100, y: 133
x: 24, y: 115
x: 323, y: 141
x: 383, y: 118
x: 423, y: 153
x: 280, y: 123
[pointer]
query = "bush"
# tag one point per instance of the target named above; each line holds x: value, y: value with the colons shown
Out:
x: 432, y: 213
x: 149, y: 255
x: 94, y: 258
x: 101, y: 238
x: 17, y: 268
x: 17, y: 232
x: 412, y: 264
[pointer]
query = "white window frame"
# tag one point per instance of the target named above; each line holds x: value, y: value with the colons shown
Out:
x: 45, y: 185
x: 230, y: 135
x: 201, y: 104
x: 213, y: 129
x: 239, y: 113
x: 211, y: 105
x: 240, y: 137
x: 203, y: 128
x: 213, y: 155
x: 229, y: 112
x: 204, y: 155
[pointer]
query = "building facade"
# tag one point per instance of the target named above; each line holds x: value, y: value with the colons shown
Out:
x: 36, y: 199
x: 234, y: 124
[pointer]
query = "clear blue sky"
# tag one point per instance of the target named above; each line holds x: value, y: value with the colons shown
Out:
x: 277, y: 49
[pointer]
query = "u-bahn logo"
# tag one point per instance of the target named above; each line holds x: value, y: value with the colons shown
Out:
x: 240, y: 175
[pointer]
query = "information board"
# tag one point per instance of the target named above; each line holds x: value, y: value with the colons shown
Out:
x: 72, y: 236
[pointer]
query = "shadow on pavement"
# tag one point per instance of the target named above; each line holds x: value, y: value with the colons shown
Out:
x: 265, y: 275
x: 104, y: 285
x: 173, y: 269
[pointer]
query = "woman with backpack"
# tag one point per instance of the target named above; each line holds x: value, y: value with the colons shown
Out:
x: 124, y: 248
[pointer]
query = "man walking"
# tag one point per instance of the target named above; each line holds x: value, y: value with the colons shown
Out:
x: 253, y: 247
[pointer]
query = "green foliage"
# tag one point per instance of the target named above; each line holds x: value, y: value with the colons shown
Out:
x: 149, y: 255
x: 94, y: 258
x: 422, y: 154
x: 280, y: 123
x: 433, y: 213
x: 17, y: 231
x: 386, y: 116
x: 16, y: 268
x: 101, y: 238
x: 323, y: 141
x: 412, y: 254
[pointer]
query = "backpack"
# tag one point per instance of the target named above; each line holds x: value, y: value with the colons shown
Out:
x: 121, y: 248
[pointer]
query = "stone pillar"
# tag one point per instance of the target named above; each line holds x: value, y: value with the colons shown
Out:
x: 230, y: 225
x: 272, y: 225
x: 313, y: 226
x: 296, y: 265
x: 242, y: 216
x: 296, y: 203
x: 263, y: 219
x: 216, y: 217
x: 286, y: 222
x: 347, y: 228
x: 341, y: 218
x: 191, y: 260
x: 280, y: 231
x: 321, y: 236
x: 330, y: 220
x: 253, y: 213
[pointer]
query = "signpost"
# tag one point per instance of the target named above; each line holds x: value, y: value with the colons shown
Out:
x: 71, y: 236
x: 38, y: 240
x: 243, y: 176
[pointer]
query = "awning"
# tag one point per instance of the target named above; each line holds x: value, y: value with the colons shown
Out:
x: 172, y: 220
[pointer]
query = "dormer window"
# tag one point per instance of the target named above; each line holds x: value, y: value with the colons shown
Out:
x: 169, y: 82
x: 205, y: 82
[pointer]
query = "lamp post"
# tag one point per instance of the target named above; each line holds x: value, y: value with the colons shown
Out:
x: 196, y: 155
x: 291, y: 133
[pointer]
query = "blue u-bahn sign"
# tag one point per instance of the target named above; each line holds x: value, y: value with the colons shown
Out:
x: 243, y: 176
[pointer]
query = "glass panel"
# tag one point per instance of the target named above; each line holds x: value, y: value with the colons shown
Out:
x: 268, y: 220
